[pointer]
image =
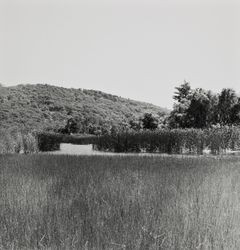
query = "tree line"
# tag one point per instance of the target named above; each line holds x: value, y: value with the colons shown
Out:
x: 193, y: 108
x: 199, y: 108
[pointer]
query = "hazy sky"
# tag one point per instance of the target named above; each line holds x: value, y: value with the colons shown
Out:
x: 140, y: 49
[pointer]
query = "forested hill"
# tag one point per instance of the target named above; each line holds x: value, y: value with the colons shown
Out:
x: 45, y: 106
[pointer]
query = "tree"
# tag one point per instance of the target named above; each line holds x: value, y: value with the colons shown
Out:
x: 182, y: 92
x: 195, y: 108
x: 227, y: 101
x: 178, y: 116
x: 235, y: 113
x: 198, y: 111
x: 149, y: 121
x: 212, y: 114
x: 72, y: 126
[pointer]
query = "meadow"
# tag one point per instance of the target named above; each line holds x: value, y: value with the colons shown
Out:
x: 119, y: 202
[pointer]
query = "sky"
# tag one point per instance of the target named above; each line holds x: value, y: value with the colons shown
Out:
x: 139, y: 49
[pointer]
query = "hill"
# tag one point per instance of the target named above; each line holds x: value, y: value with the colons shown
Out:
x: 50, y: 107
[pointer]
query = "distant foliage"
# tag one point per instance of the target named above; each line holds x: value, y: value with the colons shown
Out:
x: 199, y: 108
x: 56, y: 109
x: 228, y: 107
x: 173, y: 141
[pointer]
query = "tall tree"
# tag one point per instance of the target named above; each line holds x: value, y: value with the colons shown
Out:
x: 182, y: 92
x: 227, y: 101
x: 235, y: 113
x: 198, y: 111
x: 193, y: 108
x: 212, y: 115
x: 178, y: 116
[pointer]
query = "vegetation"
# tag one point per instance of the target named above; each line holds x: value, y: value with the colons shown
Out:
x: 171, y: 141
x: 12, y: 141
x: 44, y: 107
x: 149, y: 122
x: 199, y: 120
x: 118, y: 202
x: 178, y: 141
x: 199, y: 108
x: 52, y: 141
x: 63, y: 110
x: 67, y: 202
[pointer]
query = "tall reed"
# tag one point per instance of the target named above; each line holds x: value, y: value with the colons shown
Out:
x: 14, y: 141
x: 173, y: 141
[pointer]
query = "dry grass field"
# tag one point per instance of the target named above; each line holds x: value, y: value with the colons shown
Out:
x: 119, y: 202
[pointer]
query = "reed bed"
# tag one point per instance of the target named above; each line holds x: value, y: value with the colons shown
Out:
x: 17, y: 142
x: 173, y: 141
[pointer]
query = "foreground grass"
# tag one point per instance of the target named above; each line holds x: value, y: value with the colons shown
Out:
x: 97, y: 202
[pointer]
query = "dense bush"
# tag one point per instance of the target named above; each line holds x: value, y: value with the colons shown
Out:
x: 173, y: 141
